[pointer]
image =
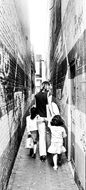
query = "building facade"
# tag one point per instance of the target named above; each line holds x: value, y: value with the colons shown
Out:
x: 40, y: 75
x: 68, y: 76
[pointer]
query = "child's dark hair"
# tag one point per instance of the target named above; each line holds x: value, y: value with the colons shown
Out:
x: 57, y: 121
x: 33, y: 112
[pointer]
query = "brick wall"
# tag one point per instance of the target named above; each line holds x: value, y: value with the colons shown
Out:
x: 69, y: 78
x: 14, y: 86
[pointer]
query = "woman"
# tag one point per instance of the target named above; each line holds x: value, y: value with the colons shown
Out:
x: 41, y: 102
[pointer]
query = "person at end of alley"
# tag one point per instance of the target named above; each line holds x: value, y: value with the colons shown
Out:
x: 41, y: 102
x: 32, y: 130
x: 57, y: 134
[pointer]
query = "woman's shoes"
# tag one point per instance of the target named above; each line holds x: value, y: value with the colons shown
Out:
x: 43, y: 158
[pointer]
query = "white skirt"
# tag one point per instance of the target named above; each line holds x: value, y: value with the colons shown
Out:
x: 56, y: 148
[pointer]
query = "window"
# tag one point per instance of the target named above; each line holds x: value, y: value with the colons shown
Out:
x: 38, y: 68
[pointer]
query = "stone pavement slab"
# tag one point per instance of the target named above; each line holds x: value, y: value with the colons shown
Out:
x: 30, y: 174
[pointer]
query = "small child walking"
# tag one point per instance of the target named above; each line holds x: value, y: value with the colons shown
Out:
x: 57, y: 134
x: 32, y: 129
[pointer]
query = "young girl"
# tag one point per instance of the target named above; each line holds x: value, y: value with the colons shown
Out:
x: 32, y: 129
x: 57, y: 134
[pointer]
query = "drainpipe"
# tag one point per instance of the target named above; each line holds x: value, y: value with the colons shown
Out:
x: 69, y: 115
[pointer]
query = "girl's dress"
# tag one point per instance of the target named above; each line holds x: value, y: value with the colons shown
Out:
x: 57, y: 135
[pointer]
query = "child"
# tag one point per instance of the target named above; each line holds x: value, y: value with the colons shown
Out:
x: 57, y: 134
x: 32, y: 129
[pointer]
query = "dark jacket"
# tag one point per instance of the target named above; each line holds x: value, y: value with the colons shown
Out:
x: 41, y: 102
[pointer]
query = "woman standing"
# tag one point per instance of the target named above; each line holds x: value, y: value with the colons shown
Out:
x: 41, y: 102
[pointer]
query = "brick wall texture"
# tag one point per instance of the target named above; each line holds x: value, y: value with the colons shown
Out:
x: 14, y: 86
x: 68, y: 76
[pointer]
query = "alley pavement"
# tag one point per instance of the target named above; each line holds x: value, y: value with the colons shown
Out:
x: 32, y: 174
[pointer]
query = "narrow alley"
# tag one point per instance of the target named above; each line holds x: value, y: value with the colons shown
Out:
x: 32, y: 174
x: 43, y: 41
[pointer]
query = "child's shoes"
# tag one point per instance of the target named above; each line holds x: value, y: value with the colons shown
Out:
x: 59, y: 162
x: 31, y: 152
x: 55, y: 167
x: 34, y: 156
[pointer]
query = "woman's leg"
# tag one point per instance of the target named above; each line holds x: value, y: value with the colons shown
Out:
x: 55, y: 156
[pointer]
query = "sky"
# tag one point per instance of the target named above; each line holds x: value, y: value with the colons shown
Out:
x: 38, y: 17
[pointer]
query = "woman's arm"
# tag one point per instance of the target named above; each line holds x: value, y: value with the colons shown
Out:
x: 50, y: 106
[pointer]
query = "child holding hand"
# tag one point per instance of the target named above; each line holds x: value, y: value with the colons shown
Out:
x: 57, y: 134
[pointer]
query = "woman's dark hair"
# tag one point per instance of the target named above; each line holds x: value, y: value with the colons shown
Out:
x: 45, y: 85
x: 33, y: 112
x: 57, y: 121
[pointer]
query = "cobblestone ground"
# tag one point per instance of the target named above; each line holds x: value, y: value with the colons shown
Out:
x: 30, y: 174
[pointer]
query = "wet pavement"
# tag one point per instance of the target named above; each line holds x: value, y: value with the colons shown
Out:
x: 32, y: 174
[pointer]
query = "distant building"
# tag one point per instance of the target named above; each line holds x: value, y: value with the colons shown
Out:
x: 40, y: 66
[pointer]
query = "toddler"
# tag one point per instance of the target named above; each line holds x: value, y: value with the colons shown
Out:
x: 32, y: 129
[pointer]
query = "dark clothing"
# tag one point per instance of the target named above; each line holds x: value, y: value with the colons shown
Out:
x: 41, y: 102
